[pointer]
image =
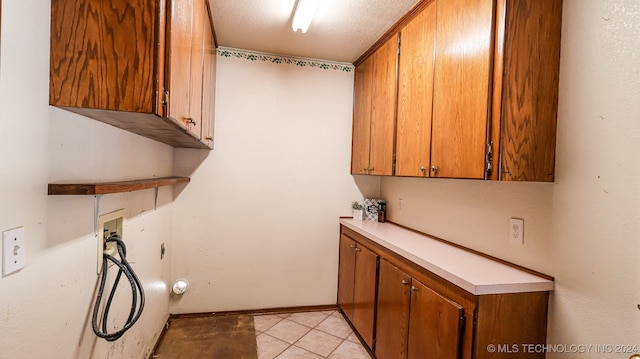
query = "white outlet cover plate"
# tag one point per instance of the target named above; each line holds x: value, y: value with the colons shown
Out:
x: 516, y: 230
x: 14, y: 255
x: 99, y: 235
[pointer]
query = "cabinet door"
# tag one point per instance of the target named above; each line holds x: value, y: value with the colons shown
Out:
x: 102, y: 56
x: 363, y: 81
x: 197, y: 67
x: 383, y: 108
x: 392, y: 317
x: 435, y: 325
x: 461, y: 88
x: 530, y: 100
x: 208, y: 81
x: 346, y: 275
x: 364, y: 293
x: 179, y: 59
x: 415, y: 95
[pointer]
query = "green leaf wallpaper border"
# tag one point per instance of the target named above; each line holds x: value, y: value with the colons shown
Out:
x: 281, y: 59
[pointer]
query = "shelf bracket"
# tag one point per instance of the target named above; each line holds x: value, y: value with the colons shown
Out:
x: 155, y: 198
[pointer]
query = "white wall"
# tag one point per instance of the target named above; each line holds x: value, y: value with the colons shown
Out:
x: 584, y: 229
x: 257, y: 227
x: 44, y: 308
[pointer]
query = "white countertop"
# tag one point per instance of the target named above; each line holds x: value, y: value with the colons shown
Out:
x: 473, y: 273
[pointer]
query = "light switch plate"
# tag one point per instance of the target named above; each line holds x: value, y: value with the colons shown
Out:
x: 516, y: 230
x: 14, y: 256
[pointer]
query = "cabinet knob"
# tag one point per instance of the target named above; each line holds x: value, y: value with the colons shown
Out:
x: 353, y: 246
x: 415, y: 289
x: 357, y: 249
x: 209, y: 138
x: 423, y: 169
x: 190, y: 120
x: 405, y: 282
x: 434, y: 169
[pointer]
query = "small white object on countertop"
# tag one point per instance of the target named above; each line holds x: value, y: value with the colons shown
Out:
x: 469, y: 271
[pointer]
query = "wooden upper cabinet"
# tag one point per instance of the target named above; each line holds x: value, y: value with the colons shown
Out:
x: 178, y: 58
x: 530, y: 61
x: 415, y: 94
x: 374, y: 115
x: 208, y: 80
x: 137, y: 65
x: 361, y: 141
x: 461, y: 88
x: 94, y: 63
x: 477, y: 92
x: 383, y: 108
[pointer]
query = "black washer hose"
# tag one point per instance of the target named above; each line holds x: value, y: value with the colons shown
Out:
x: 136, y: 287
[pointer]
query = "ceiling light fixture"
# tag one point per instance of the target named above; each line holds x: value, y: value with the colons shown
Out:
x: 305, y: 9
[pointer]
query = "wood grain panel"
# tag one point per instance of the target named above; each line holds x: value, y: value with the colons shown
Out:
x: 361, y: 134
x: 436, y: 283
x: 496, y: 103
x: 346, y: 275
x: 197, y: 67
x: 415, y: 94
x: 434, y: 325
x: 502, y: 316
x: 518, y: 318
x: 113, y: 187
x: 148, y: 125
x: 364, y: 293
x: 461, y: 92
x: 393, y: 30
x: 530, y: 98
x: 103, y: 54
x: 159, y: 107
x: 178, y: 59
x: 383, y: 108
x: 392, y: 319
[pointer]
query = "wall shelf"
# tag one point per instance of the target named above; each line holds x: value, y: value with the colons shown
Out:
x: 99, y: 188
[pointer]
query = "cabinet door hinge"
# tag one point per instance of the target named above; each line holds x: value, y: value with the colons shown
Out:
x: 165, y: 102
x: 489, y: 158
x: 165, y: 97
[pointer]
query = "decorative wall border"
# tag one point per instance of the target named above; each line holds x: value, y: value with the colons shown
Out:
x: 281, y: 59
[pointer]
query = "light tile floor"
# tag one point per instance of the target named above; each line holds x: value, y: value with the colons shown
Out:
x: 306, y: 335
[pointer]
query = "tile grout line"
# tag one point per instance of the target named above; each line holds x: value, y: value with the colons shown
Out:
x: 308, y: 329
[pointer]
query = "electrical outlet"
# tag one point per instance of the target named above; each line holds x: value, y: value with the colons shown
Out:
x: 516, y: 230
x: 107, y: 224
x: 13, y: 251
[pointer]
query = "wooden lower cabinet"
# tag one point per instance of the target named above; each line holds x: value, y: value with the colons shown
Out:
x: 419, y: 315
x: 413, y: 321
x: 435, y: 325
x: 357, y: 286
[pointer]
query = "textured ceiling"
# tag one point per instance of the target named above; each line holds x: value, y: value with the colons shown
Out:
x: 341, y: 30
